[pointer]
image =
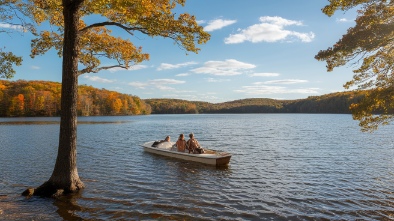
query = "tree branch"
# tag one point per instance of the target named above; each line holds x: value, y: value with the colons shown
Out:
x: 96, y: 70
x: 127, y: 29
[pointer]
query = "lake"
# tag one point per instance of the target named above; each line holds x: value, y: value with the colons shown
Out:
x: 284, y: 167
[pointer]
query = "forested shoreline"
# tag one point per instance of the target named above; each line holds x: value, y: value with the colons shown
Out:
x: 42, y: 98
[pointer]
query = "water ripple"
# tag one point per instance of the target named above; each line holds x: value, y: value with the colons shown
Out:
x: 284, y: 167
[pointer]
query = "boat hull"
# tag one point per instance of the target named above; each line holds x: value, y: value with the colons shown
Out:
x: 210, y: 157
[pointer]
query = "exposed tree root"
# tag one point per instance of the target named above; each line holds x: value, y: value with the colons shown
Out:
x: 48, y: 189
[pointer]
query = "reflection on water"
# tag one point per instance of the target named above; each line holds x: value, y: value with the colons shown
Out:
x: 284, y: 167
x: 68, y: 207
x: 28, y: 122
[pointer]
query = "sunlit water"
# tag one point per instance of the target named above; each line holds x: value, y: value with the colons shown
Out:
x: 284, y: 167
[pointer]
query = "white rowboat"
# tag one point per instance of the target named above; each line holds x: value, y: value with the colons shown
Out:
x: 211, y: 157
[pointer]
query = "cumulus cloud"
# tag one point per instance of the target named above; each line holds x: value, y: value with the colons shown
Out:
x: 164, y: 87
x: 15, y: 27
x: 228, y: 67
x: 343, y: 20
x: 264, y: 75
x: 182, y: 75
x: 284, y: 81
x: 137, y: 67
x: 35, y: 67
x: 161, y: 84
x: 98, y: 79
x: 166, y: 66
x: 166, y: 81
x: 138, y: 84
x: 193, y: 96
x: 268, y: 89
x: 214, y: 80
x: 276, y: 87
x: 131, y: 68
x: 218, y: 24
x: 270, y: 29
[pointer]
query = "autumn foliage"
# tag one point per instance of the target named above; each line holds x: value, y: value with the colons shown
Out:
x: 368, y: 47
x: 97, y: 41
x: 42, y: 98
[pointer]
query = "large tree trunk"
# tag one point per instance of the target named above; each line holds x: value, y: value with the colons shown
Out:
x: 65, y: 178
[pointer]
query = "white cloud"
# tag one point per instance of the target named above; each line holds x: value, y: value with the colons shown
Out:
x: 166, y: 66
x: 164, y: 87
x: 98, y: 79
x: 137, y: 67
x: 271, y: 29
x: 266, y: 89
x: 35, y: 67
x: 214, y: 80
x: 285, y: 81
x: 264, y: 75
x: 228, y: 67
x: 138, y: 84
x: 166, y: 81
x: 182, y: 75
x: 343, y: 20
x: 117, y: 88
x: 9, y: 26
x: 193, y: 96
x: 160, y: 84
x: 131, y: 68
x: 218, y: 24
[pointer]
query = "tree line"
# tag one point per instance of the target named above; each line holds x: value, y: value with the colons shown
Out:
x: 337, y: 103
x: 42, y: 98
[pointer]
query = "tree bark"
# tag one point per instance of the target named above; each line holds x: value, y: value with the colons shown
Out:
x: 65, y: 178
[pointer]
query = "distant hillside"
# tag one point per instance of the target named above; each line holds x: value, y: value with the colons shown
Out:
x: 330, y: 103
x: 172, y: 106
x: 250, y: 105
x: 337, y: 103
x: 42, y: 98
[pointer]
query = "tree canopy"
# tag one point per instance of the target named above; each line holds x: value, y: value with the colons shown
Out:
x: 152, y: 18
x: 368, y: 46
x: 8, y: 11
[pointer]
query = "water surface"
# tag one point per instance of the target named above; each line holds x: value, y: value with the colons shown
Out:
x: 284, y: 167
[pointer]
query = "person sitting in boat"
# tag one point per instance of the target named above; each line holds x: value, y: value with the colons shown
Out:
x: 181, y: 143
x: 167, y: 139
x: 193, y: 145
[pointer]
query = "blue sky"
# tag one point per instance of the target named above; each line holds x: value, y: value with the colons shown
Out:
x: 258, y: 49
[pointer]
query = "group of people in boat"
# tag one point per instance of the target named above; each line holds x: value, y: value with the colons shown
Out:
x: 190, y: 146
